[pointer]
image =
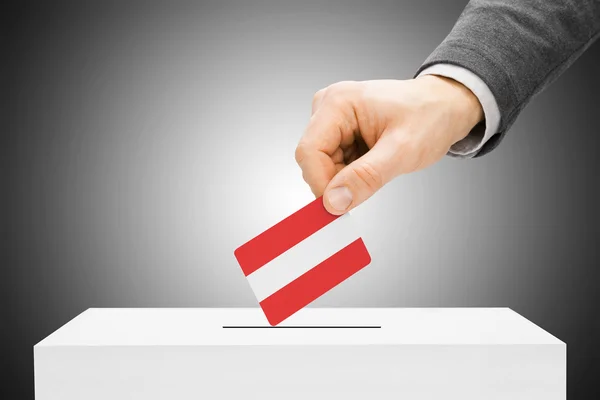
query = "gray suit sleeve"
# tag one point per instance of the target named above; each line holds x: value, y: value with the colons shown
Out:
x: 518, y: 47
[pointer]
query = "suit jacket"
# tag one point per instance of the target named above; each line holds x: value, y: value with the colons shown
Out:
x: 518, y: 47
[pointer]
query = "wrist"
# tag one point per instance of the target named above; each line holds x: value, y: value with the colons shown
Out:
x: 462, y: 102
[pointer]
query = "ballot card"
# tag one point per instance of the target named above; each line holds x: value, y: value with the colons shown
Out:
x: 301, y: 258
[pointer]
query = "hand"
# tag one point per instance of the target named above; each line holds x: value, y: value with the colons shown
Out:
x: 363, y: 134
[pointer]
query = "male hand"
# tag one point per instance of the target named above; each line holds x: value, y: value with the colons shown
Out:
x: 363, y: 134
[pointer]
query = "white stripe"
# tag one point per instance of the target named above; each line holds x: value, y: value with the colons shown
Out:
x: 303, y: 257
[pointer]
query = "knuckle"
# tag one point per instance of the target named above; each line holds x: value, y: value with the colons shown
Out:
x: 336, y: 99
x: 305, y: 176
x: 341, y: 85
x: 336, y: 89
x: 369, y: 176
x: 341, y: 94
x: 318, y: 95
x: 300, y: 153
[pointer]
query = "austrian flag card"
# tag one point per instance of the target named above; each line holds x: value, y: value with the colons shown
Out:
x: 301, y: 258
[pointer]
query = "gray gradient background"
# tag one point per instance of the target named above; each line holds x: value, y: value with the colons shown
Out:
x: 143, y: 143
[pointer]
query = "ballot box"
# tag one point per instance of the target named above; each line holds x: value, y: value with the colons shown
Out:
x: 335, y: 353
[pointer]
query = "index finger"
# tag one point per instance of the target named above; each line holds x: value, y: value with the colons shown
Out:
x: 319, y: 153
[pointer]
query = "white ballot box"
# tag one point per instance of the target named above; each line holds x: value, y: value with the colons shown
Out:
x: 336, y: 353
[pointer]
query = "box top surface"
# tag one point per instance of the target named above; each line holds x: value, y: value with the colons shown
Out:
x: 310, y: 326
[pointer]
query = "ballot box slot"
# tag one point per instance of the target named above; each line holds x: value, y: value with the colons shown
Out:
x: 302, y: 327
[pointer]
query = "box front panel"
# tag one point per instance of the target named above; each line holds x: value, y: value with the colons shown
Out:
x: 515, y: 372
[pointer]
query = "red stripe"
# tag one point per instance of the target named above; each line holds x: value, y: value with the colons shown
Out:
x: 316, y: 282
x: 283, y: 236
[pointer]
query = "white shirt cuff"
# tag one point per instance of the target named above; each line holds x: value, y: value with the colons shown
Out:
x: 470, y: 145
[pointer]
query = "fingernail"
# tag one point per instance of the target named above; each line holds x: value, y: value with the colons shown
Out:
x: 340, y: 198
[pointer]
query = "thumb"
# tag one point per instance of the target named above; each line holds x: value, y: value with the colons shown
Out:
x: 358, y: 181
